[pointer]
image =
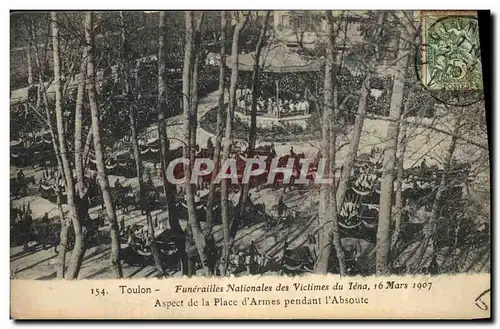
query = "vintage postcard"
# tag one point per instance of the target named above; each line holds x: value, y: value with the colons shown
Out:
x: 248, y: 165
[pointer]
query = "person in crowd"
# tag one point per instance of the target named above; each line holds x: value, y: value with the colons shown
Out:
x: 277, y: 108
x: 20, y: 176
x: 28, y: 219
x: 293, y: 106
x: 21, y: 182
x: 131, y: 237
x: 253, y: 254
x: 248, y: 203
x: 248, y: 93
x: 142, y: 238
x: 233, y: 260
x: 122, y: 224
x: 280, y: 108
x: 210, y: 145
x: 45, y: 217
x: 157, y: 171
x: 18, y: 219
x: 423, y: 166
x: 313, y: 246
x: 270, y: 106
x: 306, y: 107
x: 117, y: 184
x: 241, y: 104
x: 211, y: 254
x: 149, y: 183
x: 272, y: 150
x: 246, y: 103
x: 281, y: 206
x: 292, y: 153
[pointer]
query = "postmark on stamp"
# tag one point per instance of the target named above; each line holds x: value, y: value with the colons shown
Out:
x: 450, y: 51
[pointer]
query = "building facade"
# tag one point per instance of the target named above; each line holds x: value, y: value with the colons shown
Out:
x: 308, y: 28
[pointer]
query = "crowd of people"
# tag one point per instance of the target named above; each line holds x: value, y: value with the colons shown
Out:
x: 276, y: 108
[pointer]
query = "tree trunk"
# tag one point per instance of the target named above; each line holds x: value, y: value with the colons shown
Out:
x: 162, y: 133
x: 78, y: 125
x: 447, y: 168
x: 328, y: 206
x: 98, y: 148
x: 324, y: 241
x: 189, y: 270
x: 156, y: 254
x: 162, y: 130
x: 227, y: 143
x: 161, y: 127
x: 229, y: 138
x: 333, y: 207
x: 63, y: 236
x: 82, y: 205
x: 350, y: 157
x: 252, y: 137
x: 61, y: 259
x: 42, y: 95
x: 220, y: 109
x: 398, y: 202
x: 164, y: 145
x: 398, y: 198
x: 198, y: 236
x: 30, y: 65
x: 433, y: 218
x: 86, y: 148
x: 390, y: 147
x: 79, y: 248
x: 358, y: 122
x: 194, y: 86
x: 128, y: 97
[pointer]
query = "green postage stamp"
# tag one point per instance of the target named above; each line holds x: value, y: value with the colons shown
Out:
x: 450, y: 50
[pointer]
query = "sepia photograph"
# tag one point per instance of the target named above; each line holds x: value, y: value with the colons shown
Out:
x: 239, y: 143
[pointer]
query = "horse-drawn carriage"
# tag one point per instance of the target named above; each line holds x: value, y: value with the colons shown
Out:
x: 48, y: 190
x: 20, y: 187
x: 181, y: 208
x: 302, y: 259
x: 21, y: 222
x: 299, y: 260
x: 249, y: 261
x: 138, y: 251
x: 24, y: 230
x: 126, y: 199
